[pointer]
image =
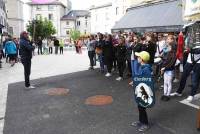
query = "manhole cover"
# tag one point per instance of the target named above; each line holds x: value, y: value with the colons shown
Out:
x: 58, y: 92
x: 99, y: 100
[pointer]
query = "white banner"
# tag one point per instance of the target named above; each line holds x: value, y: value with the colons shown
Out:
x: 192, y: 7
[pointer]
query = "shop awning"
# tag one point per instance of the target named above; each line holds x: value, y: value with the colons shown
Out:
x: 164, y: 16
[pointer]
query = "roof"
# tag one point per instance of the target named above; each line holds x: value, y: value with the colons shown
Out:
x: 101, y: 6
x: 47, y: 3
x: 165, y: 16
x: 73, y: 14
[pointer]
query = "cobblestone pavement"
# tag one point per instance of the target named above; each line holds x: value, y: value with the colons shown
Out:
x: 42, y: 66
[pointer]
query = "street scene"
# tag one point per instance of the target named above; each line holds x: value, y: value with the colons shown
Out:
x: 99, y: 67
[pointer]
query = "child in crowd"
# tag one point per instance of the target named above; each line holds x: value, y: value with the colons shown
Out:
x: 168, y: 66
x: 121, y: 57
x: 145, y: 69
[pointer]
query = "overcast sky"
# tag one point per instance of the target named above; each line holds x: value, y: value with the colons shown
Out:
x: 81, y: 4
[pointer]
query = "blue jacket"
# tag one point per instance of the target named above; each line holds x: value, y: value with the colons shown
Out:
x: 144, y: 70
x: 10, y: 47
x: 26, y: 49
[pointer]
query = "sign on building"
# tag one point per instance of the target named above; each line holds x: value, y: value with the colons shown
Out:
x: 192, y: 10
x: 144, y: 91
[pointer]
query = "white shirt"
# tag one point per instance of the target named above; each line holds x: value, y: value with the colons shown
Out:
x: 162, y: 45
x: 196, y: 57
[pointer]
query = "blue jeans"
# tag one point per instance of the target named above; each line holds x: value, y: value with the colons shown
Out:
x: 195, y: 79
x: 186, y: 72
x: 100, y: 57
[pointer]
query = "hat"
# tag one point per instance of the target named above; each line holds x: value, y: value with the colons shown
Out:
x: 143, y: 55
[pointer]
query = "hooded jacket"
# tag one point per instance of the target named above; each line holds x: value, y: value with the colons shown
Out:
x: 144, y: 70
x: 10, y: 48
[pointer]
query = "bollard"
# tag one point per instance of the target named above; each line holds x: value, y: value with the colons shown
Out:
x: 198, y: 120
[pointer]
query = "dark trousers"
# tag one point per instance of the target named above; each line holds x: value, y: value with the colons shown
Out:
x: 115, y: 63
x: 56, y: 49
x: 39, y: 50
x: 109, y: 64
x: 195, y: 79
x: 27, y: 71
x: 95, y: 59
x: 186, y: 72
x: 143, y: 118
x: 129, y: 67
x: 91, y: 55
x: 121, y: 67
x: 76, y: 49
x: 61, y: 50
x: 50, y: 50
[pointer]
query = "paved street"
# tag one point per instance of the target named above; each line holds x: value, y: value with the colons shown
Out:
x: 49, y: 110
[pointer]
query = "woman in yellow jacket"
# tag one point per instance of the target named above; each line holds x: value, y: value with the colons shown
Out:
x: 61, y: 46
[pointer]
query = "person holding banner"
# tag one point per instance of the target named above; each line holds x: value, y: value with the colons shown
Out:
x: 144, y: 70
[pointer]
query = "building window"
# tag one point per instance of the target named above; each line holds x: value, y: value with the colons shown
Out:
x: 67, y: 32
x: 67, y: 23
x: 38, y: 16
x: 78, y: 23
x: 39, y: 8
x: 86, y: 17
x: 117, y: 10
x: 50, y: 16
x: 50, y: 7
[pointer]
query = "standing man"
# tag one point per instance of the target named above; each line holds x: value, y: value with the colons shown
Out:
x: 56, y: 44
x: 26, y: 55
x: 39, y: 43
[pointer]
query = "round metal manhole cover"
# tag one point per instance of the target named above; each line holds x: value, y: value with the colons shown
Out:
x: 99, y: 100
x: 58, y: 92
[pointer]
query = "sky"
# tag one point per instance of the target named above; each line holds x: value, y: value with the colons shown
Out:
x: 81, y: 4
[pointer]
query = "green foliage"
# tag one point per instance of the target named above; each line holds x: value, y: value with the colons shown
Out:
x: 41, y: 28
x: 75, y: 34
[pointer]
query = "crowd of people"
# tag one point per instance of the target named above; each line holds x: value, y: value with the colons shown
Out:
x: 162, y: 55
x: 130, y: 54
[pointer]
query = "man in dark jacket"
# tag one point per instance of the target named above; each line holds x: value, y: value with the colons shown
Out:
x: 26, y: 55
x: 56, y: 44
x: 39, y: 43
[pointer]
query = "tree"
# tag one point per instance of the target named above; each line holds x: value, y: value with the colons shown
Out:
x: 74, y: 34
x: 41, y: 28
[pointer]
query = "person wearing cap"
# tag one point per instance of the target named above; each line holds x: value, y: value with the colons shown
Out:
x: 26, y: 55
x: 144, y: 70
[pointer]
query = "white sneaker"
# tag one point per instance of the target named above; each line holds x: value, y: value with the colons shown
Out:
x: 108, y: 75
x: 176, y: 80
x: 119, y: 78
x: 31, y: 87
x: 190, y: 98
x: 175, y: 94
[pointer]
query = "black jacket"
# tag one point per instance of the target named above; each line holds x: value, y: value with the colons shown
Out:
x: 56, y: 43
x: 121, y: 53
x: 108, y: 49
x: 100, y: 44
x: 26, y: 49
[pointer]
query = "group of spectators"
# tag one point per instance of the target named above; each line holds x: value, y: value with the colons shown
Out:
x: 160, y: 55
x: 45, y: 46
x: 168, y: 54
